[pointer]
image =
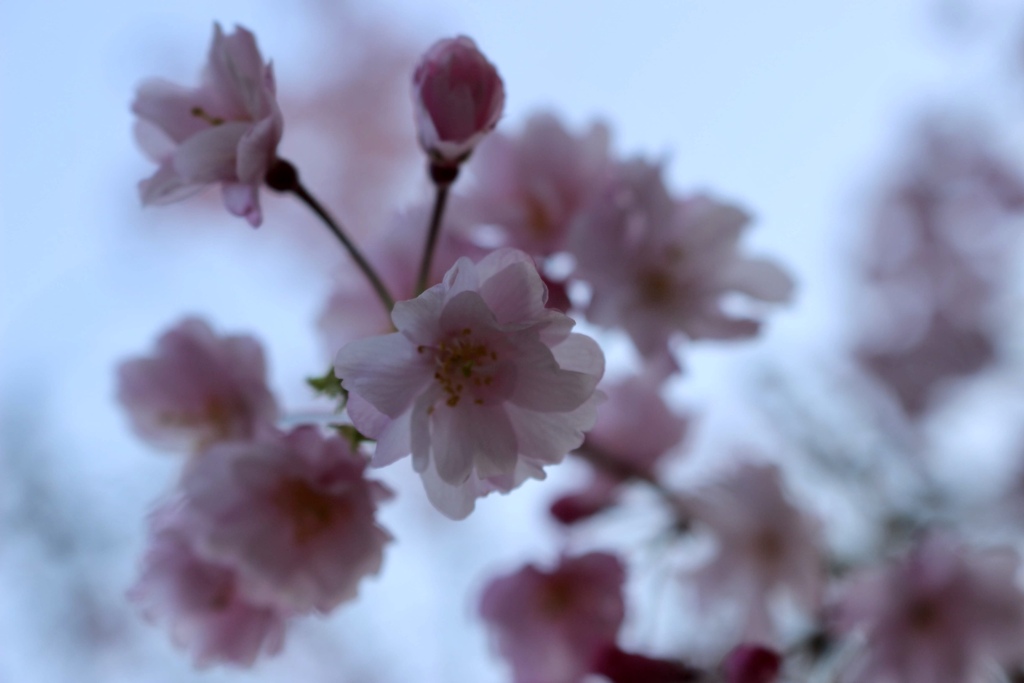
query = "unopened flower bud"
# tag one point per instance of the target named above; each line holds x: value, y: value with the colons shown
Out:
x: 458, y: 97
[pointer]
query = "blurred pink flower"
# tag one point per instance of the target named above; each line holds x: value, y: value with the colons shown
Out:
x: 659, y: 265
x: 940, y: 251
x: 532, y: 185
x: 764, y: 546
x: 634, y: 429
x: 291, y: 512
x: 481, y: 383
x: 553, y: 627
x: 196, y: 389
x: 751, y: 663
x: 225, y: 131
x: 458, y: 97
x: 204, y: 603
x: 945, y: 612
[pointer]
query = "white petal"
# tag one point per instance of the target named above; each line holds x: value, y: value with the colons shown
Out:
x: 394, y: 442
x: 386, y: 371
x: 454, y: 502
x: 166, y: 186
x: 210, y: 155
x: 542, y: 385
x: 417, y: 318
x: 580, y: 353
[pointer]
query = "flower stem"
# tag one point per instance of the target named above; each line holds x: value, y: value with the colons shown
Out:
x: 284, y: 177
x: 443, y: 177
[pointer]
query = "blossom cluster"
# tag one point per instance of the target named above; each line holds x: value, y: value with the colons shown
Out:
x: 452, y: 342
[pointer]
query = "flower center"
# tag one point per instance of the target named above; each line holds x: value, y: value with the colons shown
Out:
x: 310, y: 511
x: 656, y: 287
x: 537, y: 217
x: 461, y: 363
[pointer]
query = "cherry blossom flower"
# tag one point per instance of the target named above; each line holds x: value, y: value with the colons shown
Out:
x: 291, y: 512
x: 659, y: 265
x: 481, y: 383
x: 197, y: 388
x: 945, y: 612
x: 204, y: 603
x: 554, y: 626
x: 458, y: 98
x: 939, y: 252
x: 532, y: 185
x: 225, y: 131
x: 765, y: 546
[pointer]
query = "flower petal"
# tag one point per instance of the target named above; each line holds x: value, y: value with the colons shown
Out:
x: 385, y: 370
x: 243, y: 200
x: 210, y: 155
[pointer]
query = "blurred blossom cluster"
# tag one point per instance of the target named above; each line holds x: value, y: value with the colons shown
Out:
x: 540, y: 307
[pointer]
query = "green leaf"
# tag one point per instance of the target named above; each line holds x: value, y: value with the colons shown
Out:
x: 350, y: 434
x: 328, y: 385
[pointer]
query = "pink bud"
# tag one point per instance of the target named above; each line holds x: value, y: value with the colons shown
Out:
x: 751, y: 663
x: 458, y: 96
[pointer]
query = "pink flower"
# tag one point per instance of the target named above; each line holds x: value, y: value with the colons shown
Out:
x: 458, y: 98
x: 765, y: 546
x: 750, y: 663
x: 532, y: 186
x: 659, y: 265
x: 634, y: 429
x: 292, y: 513
x: 939, y: 254
x: 204, y: 603
x: 481, y: 383
x: 946, y: 612
x: 225, y: 131
x: 553, y: 627
x: 197, y: 389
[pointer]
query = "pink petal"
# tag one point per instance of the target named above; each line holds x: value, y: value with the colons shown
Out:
x: 243, y: 200
x: 210, y: 155
x: 580, y: 353
x: 169, y: 107
x: 385, y: 370
x: 166, y: 186
x: 516, y: 292
x: 454, y: 502
x: 257, y: 149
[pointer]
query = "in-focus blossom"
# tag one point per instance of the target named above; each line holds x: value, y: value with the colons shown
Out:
x: 204, y: 603
x: 532, y: 185
x: 945, y: 612
x: 197, y: 388
x: 292, y: 513
x: 764, y: 546
x: 458, y: 98
x: 751, y: 663
x: 353, y: 311
x: 225, y: 131
x: 659, y: 265
x: 481, y: 383
x: 634, y: 429
x: 554, y: 626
